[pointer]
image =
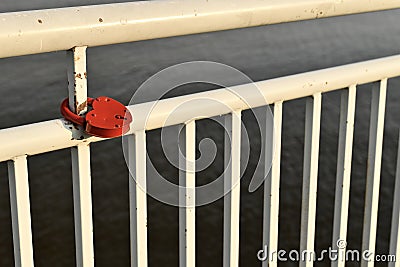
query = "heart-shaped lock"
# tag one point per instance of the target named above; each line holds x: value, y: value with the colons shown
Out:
x: 108, y: 117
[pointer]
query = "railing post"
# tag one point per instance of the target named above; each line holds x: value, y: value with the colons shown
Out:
x: 187, y: 198
x: 77, y: 79
x: 20, y: 212
x: 378, y: 103
x: 310, y: 179
x: 138, y: 198
x: 232, y: 187
x: 272, y: 186
x: 343, y: 171
x: 77, y: 92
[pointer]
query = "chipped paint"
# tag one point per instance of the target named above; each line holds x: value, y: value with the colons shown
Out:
x: 81, y: 107
x: 141, y: 18
x: 77, y: 86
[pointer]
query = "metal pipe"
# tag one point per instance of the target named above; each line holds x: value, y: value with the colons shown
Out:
x: 138, y: 198
x: 57, y: 134
x: 232, y: 187
x: 40, y: 31
x: 272, y: 192
x: 77, y: 79
x: 20, y: 211
x: 377, y: 122
x: 80, y: 157
x: 343, y: 169
x: 82, y: 190
x: 187, y: 195
x: 310, y: 178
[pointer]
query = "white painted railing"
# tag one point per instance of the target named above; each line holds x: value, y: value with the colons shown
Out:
x: 75, y: 29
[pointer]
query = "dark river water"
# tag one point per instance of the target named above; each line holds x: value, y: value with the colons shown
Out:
x: 32, y: 88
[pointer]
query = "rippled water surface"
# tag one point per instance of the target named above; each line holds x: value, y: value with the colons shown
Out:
x: 33, y: 86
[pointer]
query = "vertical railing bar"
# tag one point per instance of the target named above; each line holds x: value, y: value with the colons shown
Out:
x: 138, y: 198
x: 187, y: 201
x: 227, y: 184
x: 232, y: 186
x: 310, y: 178
x: 267, y: 126
x: 81, y: 177
x: 374, y: 169
x: 132, y: 199
x: 395, y: 231
x: 82, y: 189
x: 343, y: 171
x: 271, y: 188
x: 20, y: 211
x: 77, y: 79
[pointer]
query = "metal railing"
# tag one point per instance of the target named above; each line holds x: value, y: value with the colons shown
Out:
x: 47, y: 30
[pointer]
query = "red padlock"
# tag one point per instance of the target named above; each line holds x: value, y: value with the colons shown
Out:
x: 108, y: 117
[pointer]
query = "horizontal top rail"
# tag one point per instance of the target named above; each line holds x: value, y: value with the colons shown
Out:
x: 40, y: 31
x: 57, y: 134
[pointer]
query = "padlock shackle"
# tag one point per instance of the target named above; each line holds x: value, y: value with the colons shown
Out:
x: 69, y: 115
